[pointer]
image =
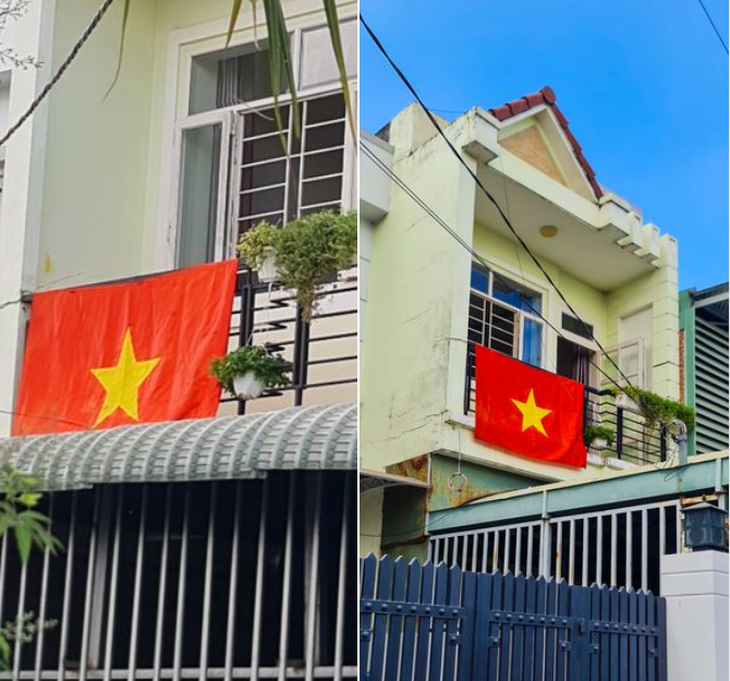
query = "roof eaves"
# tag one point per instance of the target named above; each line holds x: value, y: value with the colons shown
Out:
x: 547, y: 96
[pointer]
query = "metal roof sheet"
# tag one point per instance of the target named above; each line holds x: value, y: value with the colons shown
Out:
x: 232, y: 447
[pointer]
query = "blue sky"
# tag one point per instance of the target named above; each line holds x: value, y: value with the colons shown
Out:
x: 643, y: 84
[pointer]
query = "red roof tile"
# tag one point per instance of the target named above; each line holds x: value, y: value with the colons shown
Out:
x: 547, y: 96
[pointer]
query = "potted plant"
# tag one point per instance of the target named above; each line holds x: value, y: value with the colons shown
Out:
x: 307, y: 252
x: 247, y: 371
x: 599, y: 437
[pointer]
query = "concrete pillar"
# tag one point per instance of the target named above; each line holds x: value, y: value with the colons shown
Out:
x: 695, y: 586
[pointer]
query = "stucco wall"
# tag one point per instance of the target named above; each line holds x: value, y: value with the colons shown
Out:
x: 97, y: 148
x: 105, y: 157
x: 417, y: 319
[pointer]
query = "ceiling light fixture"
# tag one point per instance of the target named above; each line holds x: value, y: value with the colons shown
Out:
x: 548, y: 231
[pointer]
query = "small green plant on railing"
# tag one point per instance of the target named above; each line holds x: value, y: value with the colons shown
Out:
x: 31, y: 529
x: 268, y: 368
x: 657, y: 409
x: 307, y: 251
x: 592, y: 433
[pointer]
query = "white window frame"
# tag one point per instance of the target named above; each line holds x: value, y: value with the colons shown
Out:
x: 640, y: 345
x: 521, y: 314
x: 185, y: 46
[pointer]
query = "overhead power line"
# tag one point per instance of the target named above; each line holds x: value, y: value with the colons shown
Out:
x: 714, y: 26
x: 491, y: 198
x: 59, y: 72
x: 439, y: 221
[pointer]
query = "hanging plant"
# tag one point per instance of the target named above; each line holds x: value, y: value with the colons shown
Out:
x: 307, y: 252
x: 599, y: 437
x: 247, y: 371
x: 657, y: 409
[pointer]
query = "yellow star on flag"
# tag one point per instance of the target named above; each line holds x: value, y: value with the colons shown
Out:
x: 122, y: 381
x: 532, y: 415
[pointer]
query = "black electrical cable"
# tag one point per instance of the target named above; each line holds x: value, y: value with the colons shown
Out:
x: 489, y: 196
x: 505, y: 282
x: 714, y: 26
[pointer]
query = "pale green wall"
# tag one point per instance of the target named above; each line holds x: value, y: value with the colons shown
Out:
x: 96, y: 152
x: 103, y: 156
x: 409, y: 312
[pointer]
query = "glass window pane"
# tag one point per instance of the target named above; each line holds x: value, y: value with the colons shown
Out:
x: 199, y: 195
x: 517, y: 295
x: 229, y: 77
x: 479, y: 278
x: 532, y: 343
x: 574, y: 325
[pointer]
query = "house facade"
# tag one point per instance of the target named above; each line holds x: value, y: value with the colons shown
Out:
x: 619, y: 274
x: 216, y: 547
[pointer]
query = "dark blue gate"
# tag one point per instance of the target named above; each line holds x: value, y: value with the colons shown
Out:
x: 435, y: 623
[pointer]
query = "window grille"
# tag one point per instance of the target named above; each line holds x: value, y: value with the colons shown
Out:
x: 225, y: 580
x: 279, y: 185
x: 619, y: 547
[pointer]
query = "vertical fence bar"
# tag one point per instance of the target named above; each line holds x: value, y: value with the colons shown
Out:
x: 571, y: 553
x: 507, y: 538
x: 342, y: 585
x: 207, y: 589
x: 619, y: 432
x: 614, y: 554
x: 530, y: 541
x: 233, y: 587
x: 137, y: 597
x: 162, y: 585
x: 645, y: 549
x: 678, y: 527
x: 311, y: 605
x: 599, y: 550
x: 559, y: 552
x: 88, y: 601
x: 19, y: 616
x: 518, y: 551
x: 495, y: 551
x: 286, y: 586
x: 584, y: 577
x: 259, y: 593
x: 485, y: 552
x: 182, y: 579
x: 111, y: 615
x: 629, y: 548
x: 67, y: 586
x: 44, y: 594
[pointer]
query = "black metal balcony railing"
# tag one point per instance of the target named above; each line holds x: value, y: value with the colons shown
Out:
x: 322, y: 354
x: 636, y: 442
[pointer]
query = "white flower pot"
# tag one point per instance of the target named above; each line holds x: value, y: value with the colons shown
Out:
x: 267, y: 271
x: 599, y: 443
x: 248, y: 386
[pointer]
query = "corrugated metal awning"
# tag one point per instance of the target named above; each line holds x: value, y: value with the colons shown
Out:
x: 232, y: 447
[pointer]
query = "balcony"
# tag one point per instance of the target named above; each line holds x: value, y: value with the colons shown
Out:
x: 637, y: 442
x: 322, y: 354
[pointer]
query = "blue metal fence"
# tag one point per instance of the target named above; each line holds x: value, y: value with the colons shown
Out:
x: 435, y: 623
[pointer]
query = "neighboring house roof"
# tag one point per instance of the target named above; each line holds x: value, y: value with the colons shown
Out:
x: 546, y: 96
x: 232, y: 447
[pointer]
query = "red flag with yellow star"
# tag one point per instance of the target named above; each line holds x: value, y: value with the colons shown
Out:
x: 528, y: 411
x: 120, y: 354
